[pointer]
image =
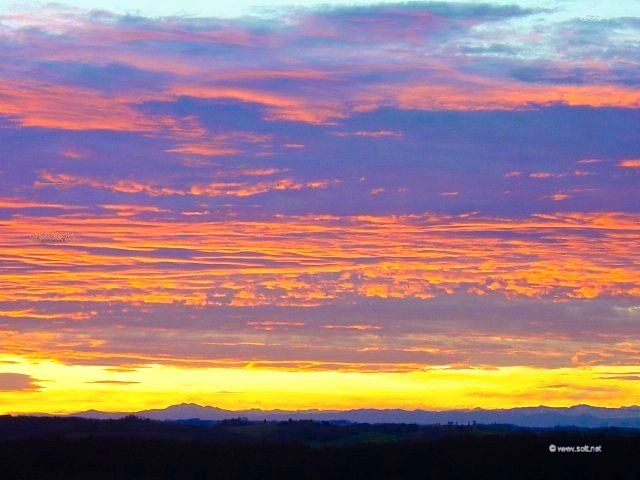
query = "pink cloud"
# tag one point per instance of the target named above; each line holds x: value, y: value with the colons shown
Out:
x: 629, y: 163
x: 17, y: 382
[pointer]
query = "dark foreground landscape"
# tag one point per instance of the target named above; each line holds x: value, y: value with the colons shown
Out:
x: 134, y: 448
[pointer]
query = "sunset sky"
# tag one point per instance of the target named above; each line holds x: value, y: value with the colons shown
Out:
x: 275, y: 205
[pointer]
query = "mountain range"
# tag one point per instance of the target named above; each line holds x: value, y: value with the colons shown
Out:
x: 540, y: 416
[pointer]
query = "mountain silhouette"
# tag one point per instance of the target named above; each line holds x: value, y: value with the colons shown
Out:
x: 540, y: 416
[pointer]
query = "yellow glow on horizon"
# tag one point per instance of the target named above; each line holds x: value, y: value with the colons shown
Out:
x: 67, y: 389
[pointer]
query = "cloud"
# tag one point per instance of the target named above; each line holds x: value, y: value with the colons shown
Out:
x: 622, y: 377
x: 630, y: 163
x: 590, y: 161
x: 352, y: 327
x: 408, y: 21
x: 34, y: 104
x: 371, y: 134
x: 557, y: 197
x: 244, y: 189
x: 112, y: 382
x: 116, y: 67
x: 18, y: 204
x: 212, y: 189
x: 450, y: 10
x: 280, y: 106
x: 17, y: 382
x: 543, y: 175
x: 269, y: 191
x: 484, y: 94
x: 312, y: 260
x: 375, y: 333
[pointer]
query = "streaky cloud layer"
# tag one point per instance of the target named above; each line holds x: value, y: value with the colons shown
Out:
x: 424, y: 204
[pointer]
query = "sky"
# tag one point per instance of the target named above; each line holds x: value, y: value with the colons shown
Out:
x: 319, y: 205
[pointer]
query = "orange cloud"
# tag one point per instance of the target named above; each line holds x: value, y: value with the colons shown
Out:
x: 245, y: 189
x: 478, y: 93
x: 311, y: 260
x: 575, y: 173
x: 121, y: 186
x: 541, y: 175
x: 282, y: 107
x: 193, y: 139
x: 208, y: 150
x: 212, y: 189
x: 630, y: 163
x: 16, y: 203
x: 35, y: 104
x: 559, y: 197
